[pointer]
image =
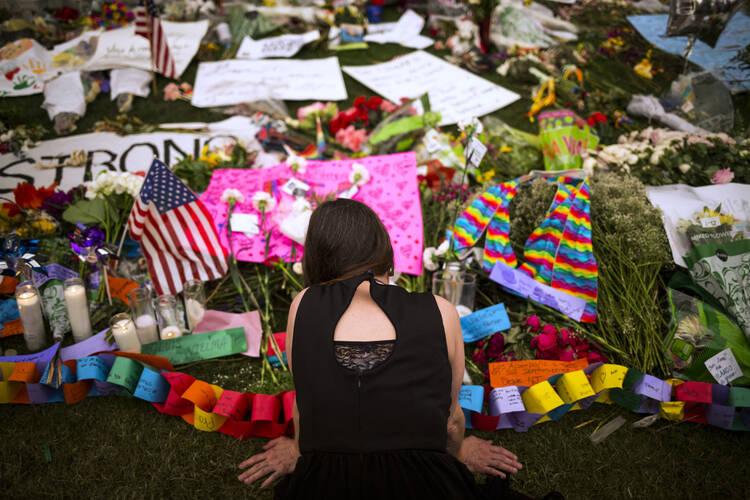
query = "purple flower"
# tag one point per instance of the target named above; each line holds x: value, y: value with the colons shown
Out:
x: 56, y: 204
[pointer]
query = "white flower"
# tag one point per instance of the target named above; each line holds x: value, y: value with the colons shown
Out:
x: 263, y: 202
x: 632, y: 159
x: 656, y: 156
x: 359, y: 176
x: 108, y: 182
x: 297, y: 267
x: 428, y: 259
x: 442, y: 249
x: 589, y: 164
x: 297, y: 163
x: 232, y: 195
x: 684, y: 168
x: 473, y: 124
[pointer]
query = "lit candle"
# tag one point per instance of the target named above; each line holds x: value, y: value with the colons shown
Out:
x: 146, y: 327
x: 123, y: 329
x: 169, y: 326
x: 30, y: 310
x: 171, y: 332
x: 195, y: 311
x: 78, y: 309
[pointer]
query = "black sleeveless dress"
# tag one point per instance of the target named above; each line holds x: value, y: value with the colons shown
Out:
x: 378, y: 433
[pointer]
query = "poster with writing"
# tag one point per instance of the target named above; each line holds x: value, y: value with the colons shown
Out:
x: 724, y: 367
x: 391, y: 192
x: 24, y: 65
x: 224, y: 83
x: 275, y: 46
x: 530, y: 372
x: 131, y: 153
x: 100, y: 50
x: 454, y: 92
x: 191, y: 348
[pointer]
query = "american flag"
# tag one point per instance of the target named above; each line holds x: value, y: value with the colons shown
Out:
x: 176, y: 232
x: 148, y: 25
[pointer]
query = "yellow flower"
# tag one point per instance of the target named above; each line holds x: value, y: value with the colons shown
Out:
x: 506, y: 149
x: 43, y: 225
x: 643, y: 68
x: 486, y: 176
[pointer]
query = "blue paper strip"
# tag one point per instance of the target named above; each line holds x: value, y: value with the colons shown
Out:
x: 484, y: 322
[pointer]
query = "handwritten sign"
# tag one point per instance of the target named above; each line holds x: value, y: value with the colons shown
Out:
x: 484, y: 322
x: 277, y: 46
x: 526, y: 286
x: 505, y: 400
x: 471, y: 397
x: 608, y: 376
x: 457, y: 94
x: 724, y: 367
x: 530, y: 372
x: 476, y: 152
x: 12, y: 327
x: 191, y: 348
x: 224, y: 83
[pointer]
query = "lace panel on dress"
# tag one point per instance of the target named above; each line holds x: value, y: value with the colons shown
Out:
x: 362, y: 356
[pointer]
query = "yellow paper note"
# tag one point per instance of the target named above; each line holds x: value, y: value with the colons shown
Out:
x: 207, y: 421
x: 604, y: 397
x: 574, y: 386
x: 541, y: 398
x: 608, y: 376
x: 8, y: 390
x: 673, y: 410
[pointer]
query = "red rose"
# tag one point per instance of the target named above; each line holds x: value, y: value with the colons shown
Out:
x: 359, y: 101
x: 479, y: 357
x: 549, y: 329
x: 568, y: 354
x: 533, y: 323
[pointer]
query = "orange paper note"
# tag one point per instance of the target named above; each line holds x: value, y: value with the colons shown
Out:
x: 8, y: 285
x: 25, y: 372
x: 528, y: 373
x: 120, y: 288
x: 12, y: 327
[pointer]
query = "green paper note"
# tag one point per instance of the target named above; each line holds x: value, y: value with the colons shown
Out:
x: 207, y: 345
x: 626, y: 399
x: 631, y: 378
x: 125, y: 372
x: 739, y: 397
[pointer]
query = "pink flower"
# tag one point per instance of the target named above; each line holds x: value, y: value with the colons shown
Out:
x: 595, y: 357
x: 723, y: 176
x: 315, y: 107
x: 566, y: 337
x: 171, y: 92
x: 568, y: 354
x: 533, y: 323
x: 351, y: 138
x: 495, y: 346
x: 479, y: 357
x: 544, y: 342
x: 582, y: 346
x: 186, y: 87
x: 388, y: 106
x: 549, y: 329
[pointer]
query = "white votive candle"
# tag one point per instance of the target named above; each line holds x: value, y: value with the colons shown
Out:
x: 171, y: 332
x: 195, y: 312
x: 123, y: 329
x: 30, y: 310
x: 146, y: 327
x: 78, y: 309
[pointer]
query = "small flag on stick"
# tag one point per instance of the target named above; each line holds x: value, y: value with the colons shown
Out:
x: 148, y: 25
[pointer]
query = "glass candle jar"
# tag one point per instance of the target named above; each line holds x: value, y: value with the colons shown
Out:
x: 30, y: 309
x: 143, y: 311
x: 194, y: 297
x: 457, y: 286
x: 78, y: 308
x: 169, y: 324
x: 123, y: 330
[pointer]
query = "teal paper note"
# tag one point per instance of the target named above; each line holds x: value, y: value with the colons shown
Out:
x: 152, y: 387
x: 484, y: 322
x: 207, y: 345
x: 471, y: 398
x: 125, y: 372
x: 91, y: 368
x: 739, y: 397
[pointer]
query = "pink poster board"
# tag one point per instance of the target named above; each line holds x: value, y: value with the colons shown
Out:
x: 391, y: 192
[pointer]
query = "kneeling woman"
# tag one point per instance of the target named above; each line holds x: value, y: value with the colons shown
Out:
x: 377, y: 372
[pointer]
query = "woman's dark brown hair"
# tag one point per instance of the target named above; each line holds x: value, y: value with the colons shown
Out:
x: 345, y: 238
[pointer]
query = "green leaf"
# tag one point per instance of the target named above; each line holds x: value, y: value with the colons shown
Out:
x: 86, y: 212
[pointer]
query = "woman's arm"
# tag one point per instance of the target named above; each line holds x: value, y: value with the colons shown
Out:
x: 455, y: 343
x: 280, y: 455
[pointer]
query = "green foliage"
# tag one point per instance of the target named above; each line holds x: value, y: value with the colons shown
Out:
x: 196, y: 172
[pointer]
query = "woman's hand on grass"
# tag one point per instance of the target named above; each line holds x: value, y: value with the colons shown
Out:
x: 480, y: 455
x: 278, y: 459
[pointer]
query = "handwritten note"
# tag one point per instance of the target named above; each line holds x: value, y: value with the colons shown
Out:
x: 471, y: 397
x: 92, y: 368
x: 528, y: 287
x: 25, y: 372
x: 277, y: 46
x: 654, y: 388
x: 231, y: 404
x: 457, y: 94
x: 12, y: 327
x: 151, y: 386
x: 697, y: 392
x: 125, y: 372
x: 530, y: 372
x: 207, y: 421
x: 207, y: 345
x: 224, y: 83
x: 505, y: 400
x: 484, y: 322
x: 739, y: 396
x: 724, y: 367
x: 608, y: 376
x: 541, y: 398
x: 574, y: 386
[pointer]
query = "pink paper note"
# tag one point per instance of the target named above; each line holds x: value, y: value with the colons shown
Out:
x: 391, y: 192
x: 250, y: 321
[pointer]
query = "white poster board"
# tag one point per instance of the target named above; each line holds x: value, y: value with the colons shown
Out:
x: 131, y: 153
x: 224, y: 83
x: 277, y: 46
x: 24, y: 65
x: 405, y: 32
x: 100, y: 50
x: 457, y: 94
